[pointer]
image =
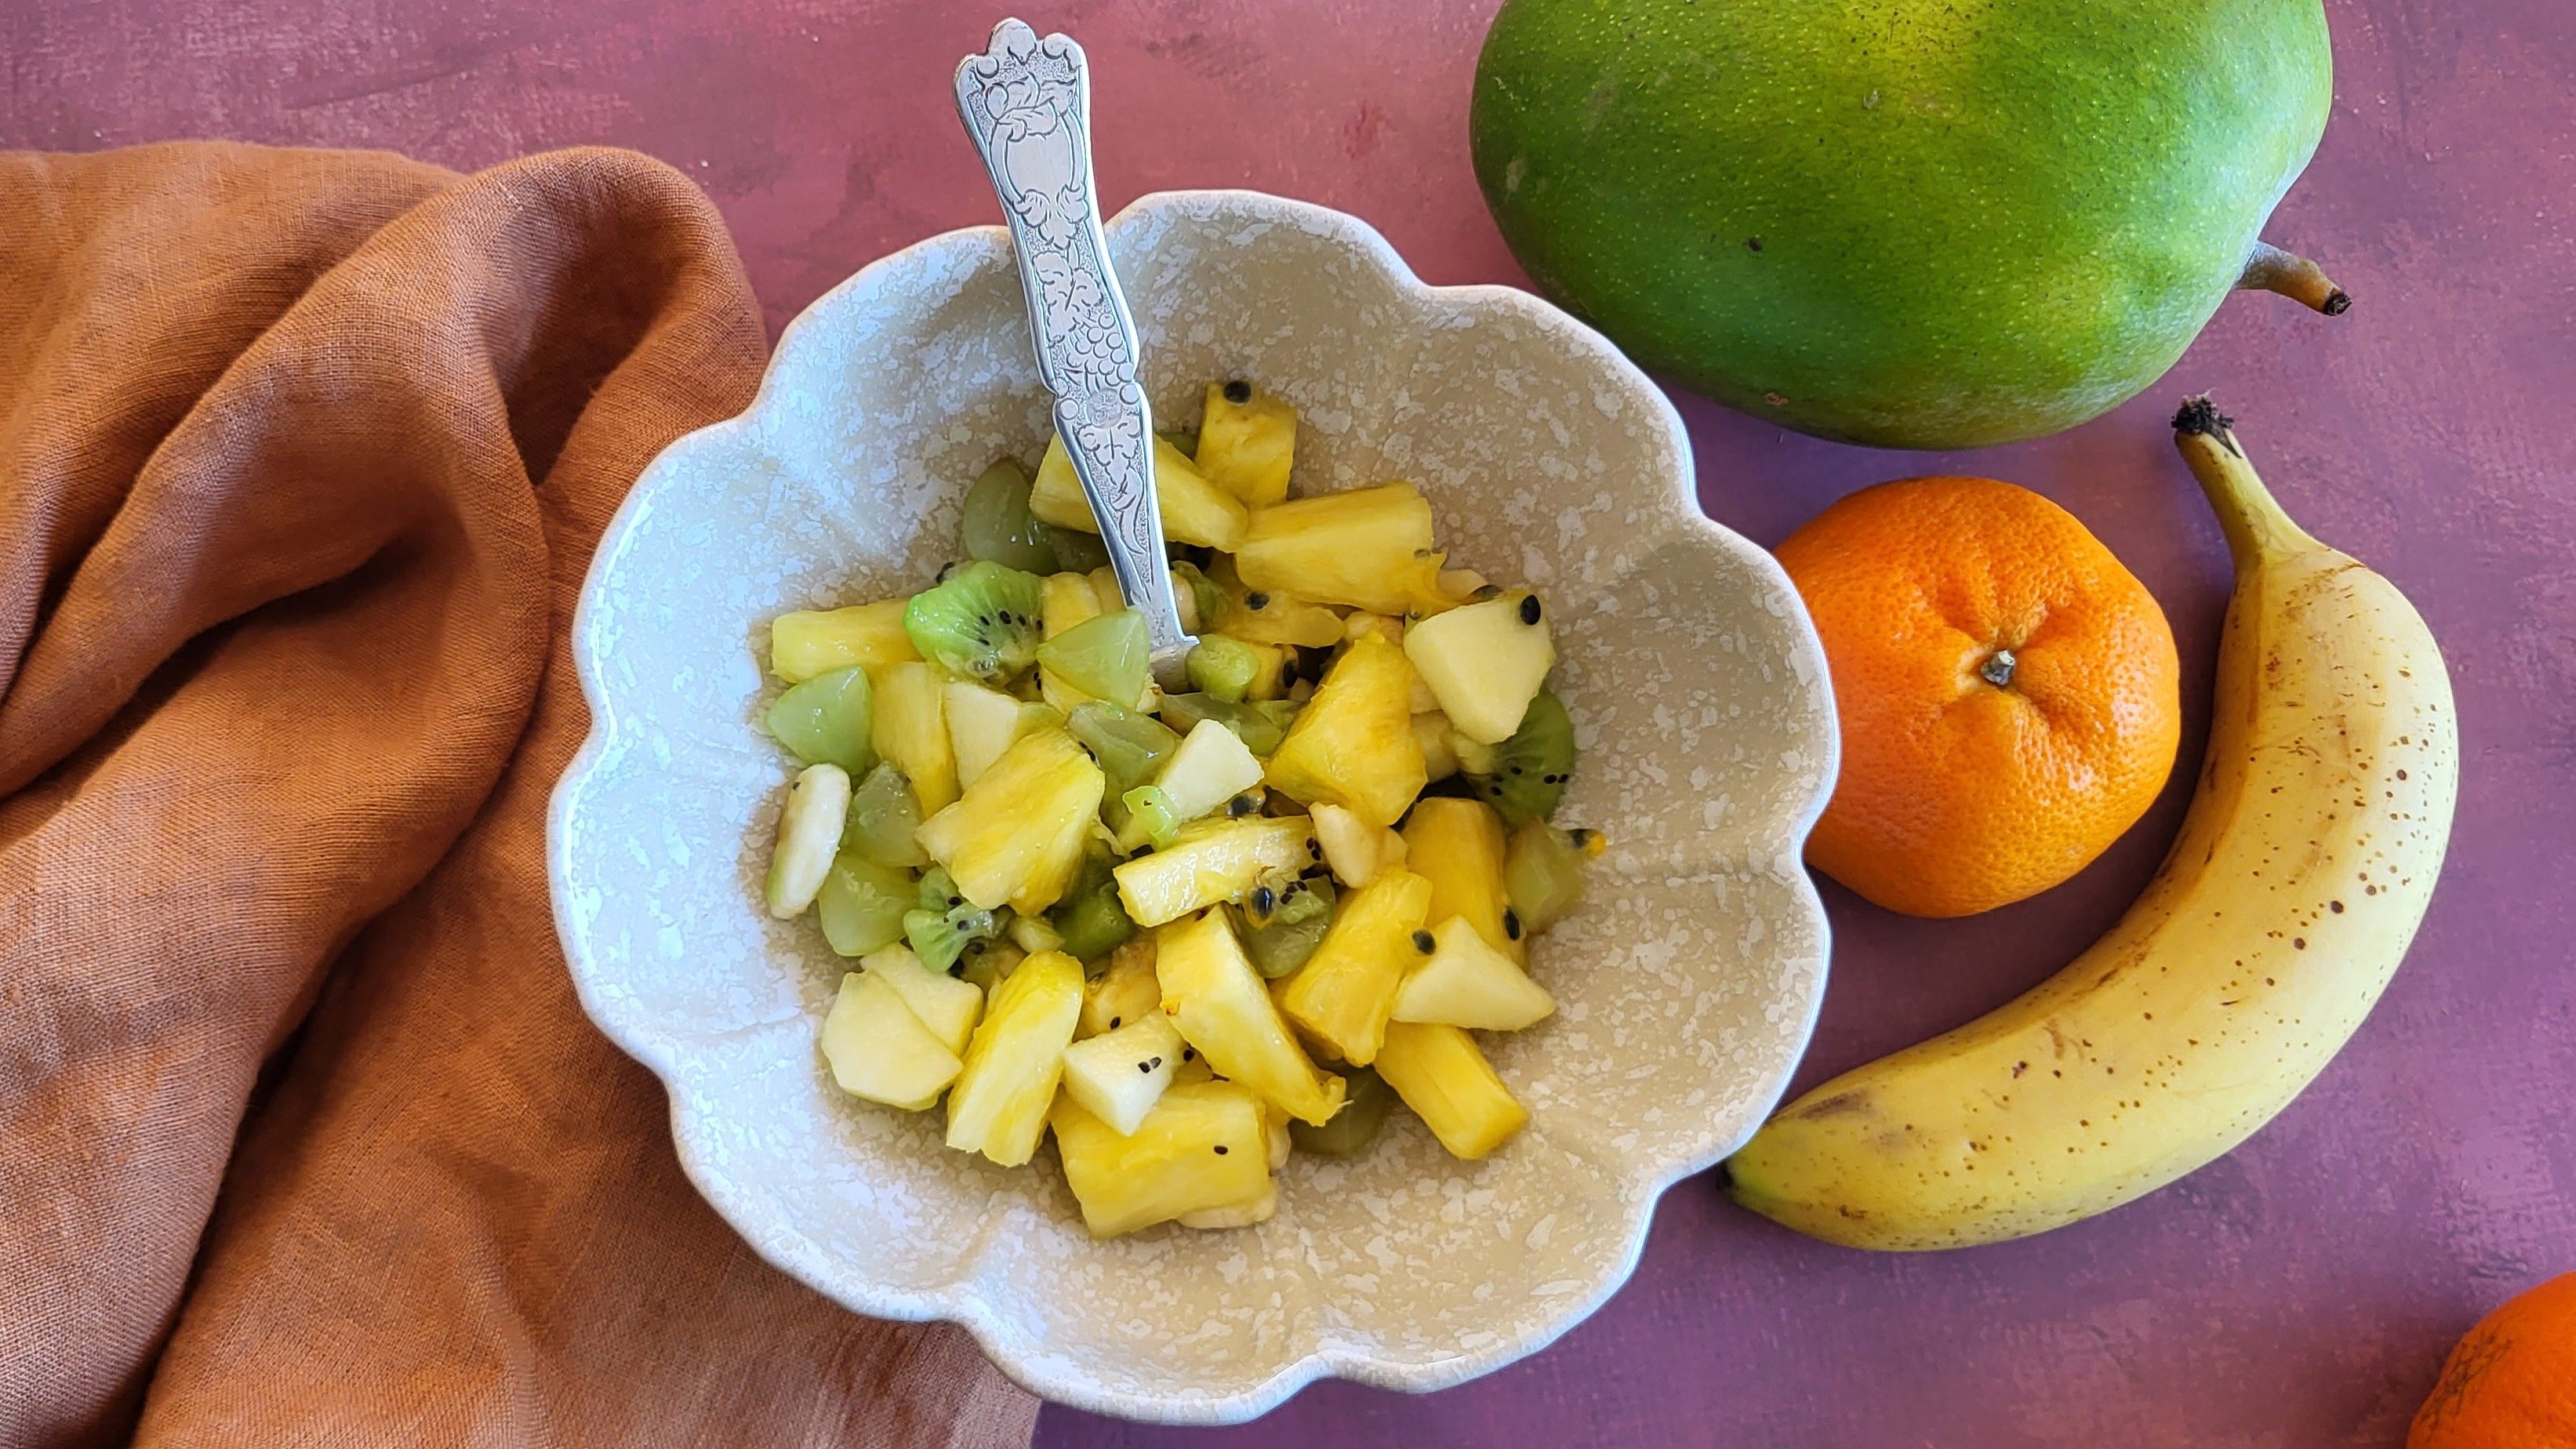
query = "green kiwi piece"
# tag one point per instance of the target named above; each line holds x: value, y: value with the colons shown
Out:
x: 862, y: 904
x: 1261, y: 726
x: 1150, y: 819
x: 1075, y: 550
x: 1281, y: 931
x: 1355, y: 1126
x: 1543, y: 872
x: 1206, y: 597
x: 884, y: 813
x: 1130, y: 747
x: 1106, y: 656
x: 1224, y: 668
x: 1532, y: 767
x: 943, y: 924
x: 998, y: 526
x: 826, y: 720
x: 980, y: 623
x: 1091, y: 918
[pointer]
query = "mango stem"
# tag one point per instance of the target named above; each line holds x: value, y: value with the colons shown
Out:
x: 2257, y: 527
x: 2271, y: 269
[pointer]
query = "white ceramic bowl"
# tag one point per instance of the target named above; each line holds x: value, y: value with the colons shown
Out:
x: 1688, y: 981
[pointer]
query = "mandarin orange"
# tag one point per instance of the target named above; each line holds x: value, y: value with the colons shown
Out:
x: 2511, y: 1383
x: 2008, y: 692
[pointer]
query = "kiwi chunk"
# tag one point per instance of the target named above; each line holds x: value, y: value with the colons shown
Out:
x: 826, y: 720
x: 980, y: 623
x: 1075, y: 550
x: 1353, y: 1127
x: 1284, y: 922
x: 943, y: 924
x: 1543, y: 872
x: 1091, y: 918
x: 1106, y: 656
x: 1234, y: 671
x: 862, y: 904
x: 1150, y: 819
x: 884, y: 813
x: 998, y: 526
x: 1530, y: 770
x: 1260, y: 725
x: 1130, y: 747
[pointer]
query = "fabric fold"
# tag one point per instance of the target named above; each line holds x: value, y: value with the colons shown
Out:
x: 302, y: 457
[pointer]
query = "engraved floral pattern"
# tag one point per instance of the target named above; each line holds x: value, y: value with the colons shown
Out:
x: 1026, y: 103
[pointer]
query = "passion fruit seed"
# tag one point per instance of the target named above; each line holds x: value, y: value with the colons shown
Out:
x: 1423, y: 942
x: 1529, y: 608
x: 1238, y: 392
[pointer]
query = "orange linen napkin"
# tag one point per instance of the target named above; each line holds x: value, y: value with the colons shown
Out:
x: 302, y: 456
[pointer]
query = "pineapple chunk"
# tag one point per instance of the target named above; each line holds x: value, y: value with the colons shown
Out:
x: 1431, y: 732
x: 812, y: 642
x: 1281, y: 1144
x: 946, y: 1005
x: 1224, y: 1010
x: 1118, y: 1075
x: 912, y: 731
x: 982, y: 723
x: 1016, y: 838
x: 1355, y: 849
x: 1068, y: 599
x: 809, y: 836
x: 1469, y: 983
x: 1211, y: 861
x: 1270, y: 616
x: 1194, y: 509
x: 1235, y: 1215
x: 1127, y: 991
x: 1015, y: 1060
x: 879, y: 1050
x: 1458, y: 846
x: 1210, y: 768
x: 1353, y: 744
x: 1450, y: 1086
x: 1342, y: 994
x: 1484, y: 663
x: 1200, y: 1148
x: 1461, y: 584
x: 1247, y: 447
x: 1369, y: 549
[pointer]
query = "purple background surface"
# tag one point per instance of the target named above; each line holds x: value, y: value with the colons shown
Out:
x: 2300, y: 1292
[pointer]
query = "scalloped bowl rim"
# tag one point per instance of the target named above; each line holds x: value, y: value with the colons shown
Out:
x: 997, y: 1336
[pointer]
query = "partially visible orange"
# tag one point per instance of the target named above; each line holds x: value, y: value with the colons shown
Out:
x: 2008, y: 692
x: 2511, y: 1384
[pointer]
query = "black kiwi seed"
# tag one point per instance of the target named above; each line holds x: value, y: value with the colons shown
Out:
x: 1511, y: 924
x: 1256, y: 600
x: 1238, y: 392
x: 1264, y: 899
x: 1113, y: 1023
x: 1529, y: 608
x: 1423, y: 942
x: 1189, y: 1054
x: 1220, y: 1149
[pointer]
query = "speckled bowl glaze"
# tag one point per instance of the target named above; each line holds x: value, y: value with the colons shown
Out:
x: 1687, y: 983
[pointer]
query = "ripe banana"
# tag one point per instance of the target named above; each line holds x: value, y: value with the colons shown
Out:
x: 2291, y: 894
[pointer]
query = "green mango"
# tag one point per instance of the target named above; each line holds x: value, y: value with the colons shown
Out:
x: 1908, y: 223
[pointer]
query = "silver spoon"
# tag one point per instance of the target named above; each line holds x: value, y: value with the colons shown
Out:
x: 1026, y: 103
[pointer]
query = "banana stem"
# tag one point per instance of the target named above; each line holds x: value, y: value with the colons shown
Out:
x: 2256, y: 525
x: 2271, y: 269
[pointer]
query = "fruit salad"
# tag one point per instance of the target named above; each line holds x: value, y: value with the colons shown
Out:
x: 1185, y: 933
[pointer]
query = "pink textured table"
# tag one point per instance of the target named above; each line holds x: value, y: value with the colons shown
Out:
x: 2300, y: 1292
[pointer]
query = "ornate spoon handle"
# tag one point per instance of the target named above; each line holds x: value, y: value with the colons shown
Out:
x: 1026, y: 103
